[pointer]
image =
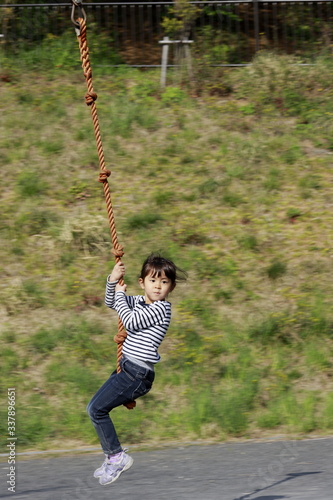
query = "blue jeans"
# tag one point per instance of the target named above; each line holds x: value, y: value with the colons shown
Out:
x: 131, y: 383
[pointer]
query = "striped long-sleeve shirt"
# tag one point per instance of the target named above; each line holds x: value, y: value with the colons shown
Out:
x: 146, y: 324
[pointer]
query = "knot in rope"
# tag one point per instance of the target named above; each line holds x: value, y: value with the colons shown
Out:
x: 103, y: 176
x: 118, y: 252
x: 90, y: 98
x: 120, y: 337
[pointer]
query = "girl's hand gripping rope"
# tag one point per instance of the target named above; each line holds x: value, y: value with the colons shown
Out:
x: 118, y: 272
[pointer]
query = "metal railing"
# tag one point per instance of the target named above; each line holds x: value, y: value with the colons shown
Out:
x: 225, y: 32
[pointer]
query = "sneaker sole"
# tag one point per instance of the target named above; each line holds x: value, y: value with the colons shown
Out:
x: 127, y: 466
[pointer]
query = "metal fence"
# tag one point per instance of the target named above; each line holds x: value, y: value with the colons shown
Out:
x: 224, y: 32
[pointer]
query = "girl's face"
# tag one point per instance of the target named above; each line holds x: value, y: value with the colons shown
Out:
x: 156, y: 287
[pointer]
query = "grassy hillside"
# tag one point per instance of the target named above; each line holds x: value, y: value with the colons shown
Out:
x: 232, y: 178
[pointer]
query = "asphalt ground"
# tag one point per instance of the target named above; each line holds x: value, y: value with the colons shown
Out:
x: 269, y: 470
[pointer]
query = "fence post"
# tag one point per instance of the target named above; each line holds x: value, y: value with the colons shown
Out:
x: 256, y: 24
x: 164, y: 63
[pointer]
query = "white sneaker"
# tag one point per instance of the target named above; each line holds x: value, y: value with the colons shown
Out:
x: 115, y: 465
x: 100, y: 471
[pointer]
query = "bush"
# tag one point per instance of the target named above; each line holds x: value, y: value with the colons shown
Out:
x: 173, y: 95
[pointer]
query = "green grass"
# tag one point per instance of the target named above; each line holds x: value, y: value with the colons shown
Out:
x: 236, y: 188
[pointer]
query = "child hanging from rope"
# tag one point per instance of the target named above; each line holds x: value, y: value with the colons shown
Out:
x: 146, y: 320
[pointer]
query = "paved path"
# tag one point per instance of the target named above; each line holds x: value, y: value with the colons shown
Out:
x: 274, y: 470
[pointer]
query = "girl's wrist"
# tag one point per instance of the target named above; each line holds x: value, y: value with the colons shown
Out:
x: 111, y: 279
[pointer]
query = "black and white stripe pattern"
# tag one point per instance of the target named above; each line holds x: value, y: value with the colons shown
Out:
x: 146, y: 324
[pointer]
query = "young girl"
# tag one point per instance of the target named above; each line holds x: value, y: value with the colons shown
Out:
x: 146, y: 320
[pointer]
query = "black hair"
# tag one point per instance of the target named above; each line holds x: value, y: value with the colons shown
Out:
x: 156, y: 264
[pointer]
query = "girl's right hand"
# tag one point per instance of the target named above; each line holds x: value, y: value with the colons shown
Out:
x: 118, y: 272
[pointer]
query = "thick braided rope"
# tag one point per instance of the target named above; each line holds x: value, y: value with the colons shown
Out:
x: 91, y: 97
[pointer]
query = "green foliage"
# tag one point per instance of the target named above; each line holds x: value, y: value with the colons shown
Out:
x: 80, y: 336
x: 273, y: 180
x: 291, y: 155
x: 33, y: 293
x: 247, y: 109
x: 173, y: 95
x: 180, y: 18
x: 267, y: 330
x: 30, y: 184
x: 317, y: 355
x: 67, y: 258
x: 212, y: 46
x: 34, y: 220
x: 163, y: 197
x: 292, y: 213
x: 249, y: 242
x: 208, y: 187
x: 276, y: 269
x: 36, y: 420
x: 327, y: 416
x: 144, y: 91
x: 72, y: 376
x: 126, y: 115
x: 8, y: 361
x: 287, y: 86
x: 233, y: 409
x: 310, y: 181
x: 61, y: 51
x: 231, y: 198
x: 44, y: 341
x: 142, y: 220
x: 52, y: 147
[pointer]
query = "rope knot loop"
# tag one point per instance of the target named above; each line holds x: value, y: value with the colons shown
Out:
x: 118, y: 252
x: 120, y: 337
x: 103, y: 176
x: 90, y: 98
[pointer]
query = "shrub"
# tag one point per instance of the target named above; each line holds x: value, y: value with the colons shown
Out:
x: 173, y: 95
